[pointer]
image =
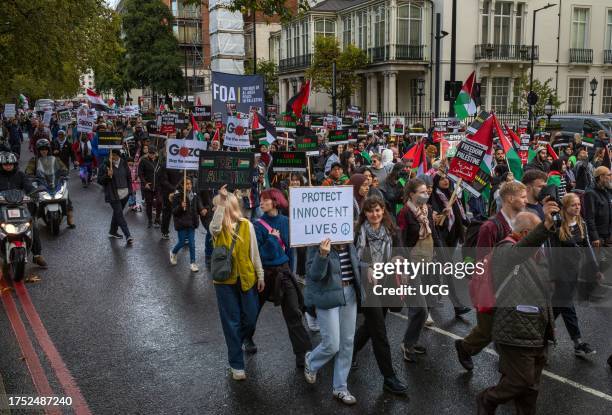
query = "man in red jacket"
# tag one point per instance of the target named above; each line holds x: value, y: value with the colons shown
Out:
x: 514, y: 200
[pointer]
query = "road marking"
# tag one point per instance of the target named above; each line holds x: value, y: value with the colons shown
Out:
x: 79, y: 405
x: 551, y: 375
x: 39, y: 378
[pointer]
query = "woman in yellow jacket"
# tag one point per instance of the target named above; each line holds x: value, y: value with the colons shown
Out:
x: 237, y: 297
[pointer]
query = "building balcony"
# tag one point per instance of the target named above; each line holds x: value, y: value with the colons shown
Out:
x: 409, y: 52
x: 379, y: 53
x: 581, y: 55
x: 295, y: 63
x: 188, y: 15
x: 490, y: 52
x: 608, y: 56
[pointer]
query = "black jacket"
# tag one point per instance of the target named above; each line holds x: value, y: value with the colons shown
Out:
x: 538, y: 165
x: 168, y: 180
x: 188, y: 218
x: 110, y: 183
x: 65, y: 153
x: 149, y: 171
x: 598, y: 213
x: 409, y: 226
x: 15, y: 180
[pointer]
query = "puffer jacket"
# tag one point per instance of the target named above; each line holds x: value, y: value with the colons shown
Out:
x: 324, y: 280
x: 520, y: 276
x: 186, y: 218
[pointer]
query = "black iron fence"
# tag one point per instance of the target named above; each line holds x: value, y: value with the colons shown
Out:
x: 409, y: 52
x: 608, y: 56
x: 505, y: 52
x: 297, y: 62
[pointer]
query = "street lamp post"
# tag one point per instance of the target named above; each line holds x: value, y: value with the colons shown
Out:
x: 294, y: 86
x: 420, y: 88
x: 549, y: 109
x: 593, y: 89
x: 439, y: 35
x: 532, y: 98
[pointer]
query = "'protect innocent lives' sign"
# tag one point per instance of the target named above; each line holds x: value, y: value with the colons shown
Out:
x: 320, y: 212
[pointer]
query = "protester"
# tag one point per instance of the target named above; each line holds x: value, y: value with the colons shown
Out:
x: 598, y: 209
x: 84, y: 159
x: 117, y: 182
x: 583, y: 170
x: 149, y: 173
x: 540, y: 161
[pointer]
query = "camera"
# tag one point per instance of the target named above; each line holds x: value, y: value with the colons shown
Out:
x: 552, y: 191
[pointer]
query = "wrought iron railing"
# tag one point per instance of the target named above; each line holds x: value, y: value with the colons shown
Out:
x: 581, y: 55
x: 505, y: 52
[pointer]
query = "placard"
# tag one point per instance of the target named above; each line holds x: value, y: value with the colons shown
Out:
x: 9, y: 110
x: 85, y: 122
x: 285, y: 124
x: 316, y: 121
x: 168, y: 123
x: 237, y: 132
x: 338, y: 137
x: 218, y: 118
x: 289, y: 161
x: 184, y: 154
x: 320, y: 212
x: 243, y: 91
x: 110, y: 140
x: 272, y: 110
x: 398, y: 125
x: 64, y: 118
x: 467, y: 161
x: 308, y: 143
x: 47, y: 118
x: 233, y: 168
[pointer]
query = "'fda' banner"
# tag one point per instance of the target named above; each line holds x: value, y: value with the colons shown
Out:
x: 245, y: 91
x: 184, y: 154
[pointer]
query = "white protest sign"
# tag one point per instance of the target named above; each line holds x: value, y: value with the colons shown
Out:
x: 47, y: 118
x: 64, y: 118
x: 184, y: 154
x: 237, y: 133
x: 9, y: 110
x: 320, y: 212
x: 85, y: 123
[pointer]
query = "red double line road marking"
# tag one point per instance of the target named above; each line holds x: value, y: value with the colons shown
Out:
x: 31, y: 358
x: 79, y: 405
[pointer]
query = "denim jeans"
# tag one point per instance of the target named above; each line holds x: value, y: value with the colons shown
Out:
x: 238, y: 313
x: 186, y: 234
x: 208, y: 247
x: 118, y: 220
x: 337, y: 327
x: 85, y: 172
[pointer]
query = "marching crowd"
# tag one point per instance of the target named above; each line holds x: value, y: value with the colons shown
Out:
x: 560, y: 202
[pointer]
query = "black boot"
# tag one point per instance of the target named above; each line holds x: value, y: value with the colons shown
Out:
x: 249, y: 346
x: 464, y: 357
x: 394, y: 385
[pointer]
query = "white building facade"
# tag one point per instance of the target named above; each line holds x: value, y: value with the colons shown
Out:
x: 573, y: 46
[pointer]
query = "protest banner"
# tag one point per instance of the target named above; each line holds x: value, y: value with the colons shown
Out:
x: 242, y: 90
x: 316, y: 121
x: 168, y: 123
x: 354, y: 112
x: 202, y: 112
x: 523, y: 126
x: 9, y: 110
x: 218, y: 118
x: 289, y: 161
x: 271, y: 110
x: 440, y: 128
x: 286, y: 124
x: 184, y: 154
x: 466, y: 162
x: 233, y: 168
x: 338, y: 137
x: 237, y: 132
x: 308, y: 143
x: 385, y: 129
x: 320, y: 212
x: 47, y: 118
x: 85, y: 123
x: 398, y: 125
x: 110, y: 140
x: 64, y: 118
x: 372, y: 119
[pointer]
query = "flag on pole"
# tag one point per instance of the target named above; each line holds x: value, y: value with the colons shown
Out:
x: 551, y: 152
x: 197, y: 133
x: 514, y: 161
x: 464, y: 103
x: 217, y: 136
x: 260, y: 122
x: 95, y: 99
x: 297, y: 103
x: 23, y: 102
x: 513, y: 135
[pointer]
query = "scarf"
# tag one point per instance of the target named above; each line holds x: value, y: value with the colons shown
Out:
x: 451, y: 214
x: 85, y: 148
x: 378, y: 242
x: 421, y: 213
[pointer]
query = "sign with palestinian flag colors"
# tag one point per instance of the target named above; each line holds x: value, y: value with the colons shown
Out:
x: 168, y: 123
x: 338, y: 137
x: 464, y: 104
x: 471, y: 152
x: 289, y: 161
x: 233, y: 168
x: 110, y: 140
x: 307, y: 143
x: 398, y: 126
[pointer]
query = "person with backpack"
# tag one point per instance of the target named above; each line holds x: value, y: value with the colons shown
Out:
x: 523, y: 322
x: 514, y: 199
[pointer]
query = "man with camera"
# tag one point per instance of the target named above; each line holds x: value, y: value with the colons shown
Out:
x: 523, y: 322
x: 598, y: 208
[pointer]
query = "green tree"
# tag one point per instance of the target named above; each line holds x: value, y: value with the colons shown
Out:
x: 350, y: 60
x: 45, y: 45
x: 267, y: 7
x: 153, y: 58
x: 269, y: 70
x: 543, y: 89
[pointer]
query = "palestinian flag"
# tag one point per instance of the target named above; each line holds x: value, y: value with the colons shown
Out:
x: 464, y: 104
x: 196, y: 129
x: 208, y: 163
x: 297, y: 103
x: 514, y: 161
x: 260, y: 122
x: 243, y: 164
x: 217, y: 136
x: 420, y: 159
x: 96, y: 100
x: 532, y: 153
x: 23, y: 102
x: 551, y: 152
x: 366, y: 156
x: 513, y: 135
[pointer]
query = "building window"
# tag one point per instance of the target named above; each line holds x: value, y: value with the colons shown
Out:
x: 580, y: 24
x: 362, y: 40
x: 606, y: 97
x: 518, y: 24
x: 296, y: 40
x: 409, y: 23
x: 485, y: 21
x: 500, y: 91
x: 575, y: 95
x: 325, y: 28
x: 347, y: 27
x: 501, y: 23
x: 188, y: 32
x: 483, y: 93
x: 180, y: 11
x: 608, y: 44
x: 414, y: 97
x: 379, y: 26
x: 305, y: 37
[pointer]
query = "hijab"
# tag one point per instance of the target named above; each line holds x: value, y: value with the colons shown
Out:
x: 357, y: 180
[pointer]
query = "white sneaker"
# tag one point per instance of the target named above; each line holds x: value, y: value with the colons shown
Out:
x: 313, y: 324
x: 429, y: 322
x: 173, y: 259
x: 238, y: 374
x: 345, y: 397
x: 311, y: 377
x: 194, y: 267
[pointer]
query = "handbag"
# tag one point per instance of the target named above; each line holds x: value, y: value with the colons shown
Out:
x: 221, y: 260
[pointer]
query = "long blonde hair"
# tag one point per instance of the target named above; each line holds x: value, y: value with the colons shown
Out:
x: 565, y: 233
x: 232, y: 214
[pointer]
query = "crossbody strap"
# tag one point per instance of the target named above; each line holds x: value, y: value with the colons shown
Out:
x: 236, y: 229
x: 269, y: 229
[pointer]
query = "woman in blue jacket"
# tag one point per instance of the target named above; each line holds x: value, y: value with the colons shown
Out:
x: 333, y: 286
x: 272, y: 231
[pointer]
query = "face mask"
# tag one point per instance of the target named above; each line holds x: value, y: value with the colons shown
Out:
x: 422, y: 198
x: 609, y: 185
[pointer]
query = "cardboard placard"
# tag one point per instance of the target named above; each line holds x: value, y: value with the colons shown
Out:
x: 64, y: 118
x: 9, y: 110
x: 168, y: 123
x: 466, y: 163
x: 320, y: 212
x: 233, y: 168
x: 338, y: 137
x: 85, y: 122
x: 308, y: 143
x: 110, y: 140
x: 202, y: 112
x: 184, y: 154
x: 237, y: 132
x: 290, y: 161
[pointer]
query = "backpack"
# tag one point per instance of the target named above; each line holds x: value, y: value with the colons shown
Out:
x: 468, y: 249
x: 482, y: 286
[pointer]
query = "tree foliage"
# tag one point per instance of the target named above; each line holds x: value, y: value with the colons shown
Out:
x: 543, y: 89
x: 152, y: 51
x: 45, y: 45
x: 269, y: 70
x: 352, y: 59
x: 267, y: 7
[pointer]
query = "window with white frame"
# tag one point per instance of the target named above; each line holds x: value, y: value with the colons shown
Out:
x: 486, y: 6
x: 379, y: 26
x: 347, y: 30
x: 483, y: 92
x: 362, y: 36
x: 288, y: 43
x: 580, y: 27
x: 606, y: 96
x: 306, y: 37
x: 500, y: 91
x: 414, y: 96
x: 575, y: 95
x: 409, y: 24
x: 518, y: 24
x: 325, y: 28
x: 501, y: 22
x: 608, y: 44
x: 296, y: 40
